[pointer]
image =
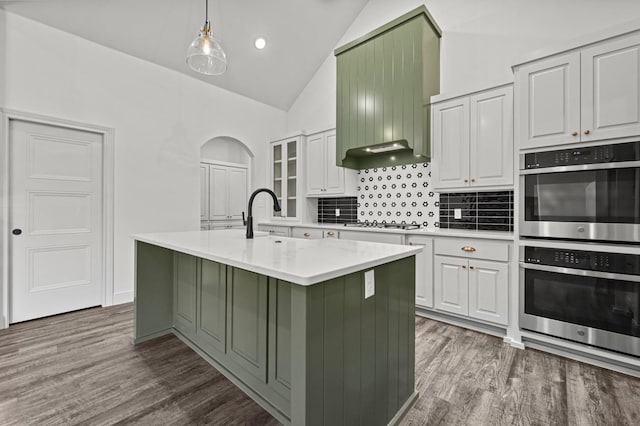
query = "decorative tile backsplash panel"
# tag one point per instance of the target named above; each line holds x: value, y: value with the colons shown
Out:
x: 486, y: 211
x: 398, y: 194
x: 348, y: 207
x: 403, y: 194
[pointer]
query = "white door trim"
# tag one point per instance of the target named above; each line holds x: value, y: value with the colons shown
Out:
x: 6, y: 115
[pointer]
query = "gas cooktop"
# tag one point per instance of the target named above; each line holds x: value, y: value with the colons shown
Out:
x: 383, y: 225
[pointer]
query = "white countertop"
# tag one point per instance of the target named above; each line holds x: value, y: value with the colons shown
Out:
x: 299, y: 261
x: 431, y: 232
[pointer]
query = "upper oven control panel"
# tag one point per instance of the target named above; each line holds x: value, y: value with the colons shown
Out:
x: 578, y: 156
x: 586, y: 260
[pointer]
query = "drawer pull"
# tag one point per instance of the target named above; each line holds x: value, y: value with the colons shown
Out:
x: 468, y: 248
x: 306, y: 234
x: 331, y: 234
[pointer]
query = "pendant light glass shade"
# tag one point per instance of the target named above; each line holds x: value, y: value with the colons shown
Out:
x: 205, y: 55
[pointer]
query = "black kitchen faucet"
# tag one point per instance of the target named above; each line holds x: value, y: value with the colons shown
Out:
x: 249, y: 221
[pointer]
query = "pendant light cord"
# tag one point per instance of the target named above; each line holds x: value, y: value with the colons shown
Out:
x: 206, y: 10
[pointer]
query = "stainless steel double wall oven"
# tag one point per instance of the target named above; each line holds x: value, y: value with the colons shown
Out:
x: 580, y: 250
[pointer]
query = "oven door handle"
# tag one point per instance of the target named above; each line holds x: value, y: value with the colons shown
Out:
x: 581, y: 167
x: 581, y: 272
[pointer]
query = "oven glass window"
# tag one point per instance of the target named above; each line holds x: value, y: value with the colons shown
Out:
x: 611, y: 305
x: 595, y: 196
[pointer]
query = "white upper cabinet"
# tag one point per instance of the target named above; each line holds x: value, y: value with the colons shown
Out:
x: 491, y: 145
x: 611, y: 89
x: 549, y: 101
x: 450, y: 161
x: 473, y: 141
x: 324, y: 177
x: 582, y: 96
x: 286, y: 155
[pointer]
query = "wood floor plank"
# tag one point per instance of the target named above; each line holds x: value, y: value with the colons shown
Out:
x: 81, y: 368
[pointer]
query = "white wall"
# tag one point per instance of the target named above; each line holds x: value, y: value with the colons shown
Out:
x: 225, y: 149
x: 481, y: 40
x: 160, y: 117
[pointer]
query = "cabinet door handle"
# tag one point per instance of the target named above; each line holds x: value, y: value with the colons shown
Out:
x: 331, y: 234
x: 464, y: 267
x: 473, y: 180
x: 410, y: 244
x: 306, y: 234
x: 586, y: 132
x: 466, y: 180
x: 574, y: 134
x: 470, y: 267
x: 468, y: 248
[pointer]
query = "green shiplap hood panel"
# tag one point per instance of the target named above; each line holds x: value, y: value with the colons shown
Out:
x: 384, y: 82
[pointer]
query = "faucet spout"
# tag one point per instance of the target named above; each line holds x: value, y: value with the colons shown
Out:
x: 276, y: 207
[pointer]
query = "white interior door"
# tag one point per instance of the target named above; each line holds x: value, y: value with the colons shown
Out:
x: 56, y: 217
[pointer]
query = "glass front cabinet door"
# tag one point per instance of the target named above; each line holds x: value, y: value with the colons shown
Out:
x: 285, y: 155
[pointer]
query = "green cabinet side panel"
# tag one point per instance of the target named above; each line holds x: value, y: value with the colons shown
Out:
x: 334, y: 325
x: 185, y: 276
x: 247, y: 320
x: 153, y: 290
x: 358, y: 353
x: 212, y: 306
x: 279, y: 372
x: 383, y: 84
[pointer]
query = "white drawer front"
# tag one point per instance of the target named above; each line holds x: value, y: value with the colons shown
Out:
x: 473, y: 249
x: 308, y: 233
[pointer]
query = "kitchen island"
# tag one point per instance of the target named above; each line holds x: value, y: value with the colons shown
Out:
x: 289, y: 321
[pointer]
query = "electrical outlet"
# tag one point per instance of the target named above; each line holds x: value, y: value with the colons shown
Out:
x: 337, y: 212
x: 457, y: 213
x: 369, y: 284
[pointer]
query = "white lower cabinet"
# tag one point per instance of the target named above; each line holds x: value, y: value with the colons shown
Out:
x: 424, y: 270
x: 452, y: 285
x: 472, y: 279
x: 488, y: 291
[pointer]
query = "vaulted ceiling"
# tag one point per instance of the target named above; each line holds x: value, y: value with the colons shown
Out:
x: 299, y: 33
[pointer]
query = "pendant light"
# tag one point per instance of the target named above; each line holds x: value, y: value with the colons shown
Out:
x: 205, y: 55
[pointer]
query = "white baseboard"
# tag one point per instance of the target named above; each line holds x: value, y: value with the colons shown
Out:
x: 518, y: 344
x: 123, y: 297
x: 3, y: 322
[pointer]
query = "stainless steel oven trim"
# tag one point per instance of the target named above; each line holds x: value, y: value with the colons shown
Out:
x: 624, y: 232
x: 581, y: 272
x: 591, y: 336
x: 579, y: 167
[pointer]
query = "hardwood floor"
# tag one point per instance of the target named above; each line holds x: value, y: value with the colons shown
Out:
x: 81, y: 368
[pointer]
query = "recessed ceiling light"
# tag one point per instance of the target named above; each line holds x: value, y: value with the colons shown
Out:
x: 260, y: 43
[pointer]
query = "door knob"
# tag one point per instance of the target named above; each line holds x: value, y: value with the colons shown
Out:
x: 16, y: 231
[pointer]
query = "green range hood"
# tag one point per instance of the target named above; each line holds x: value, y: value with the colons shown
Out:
x: 385, y: 80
